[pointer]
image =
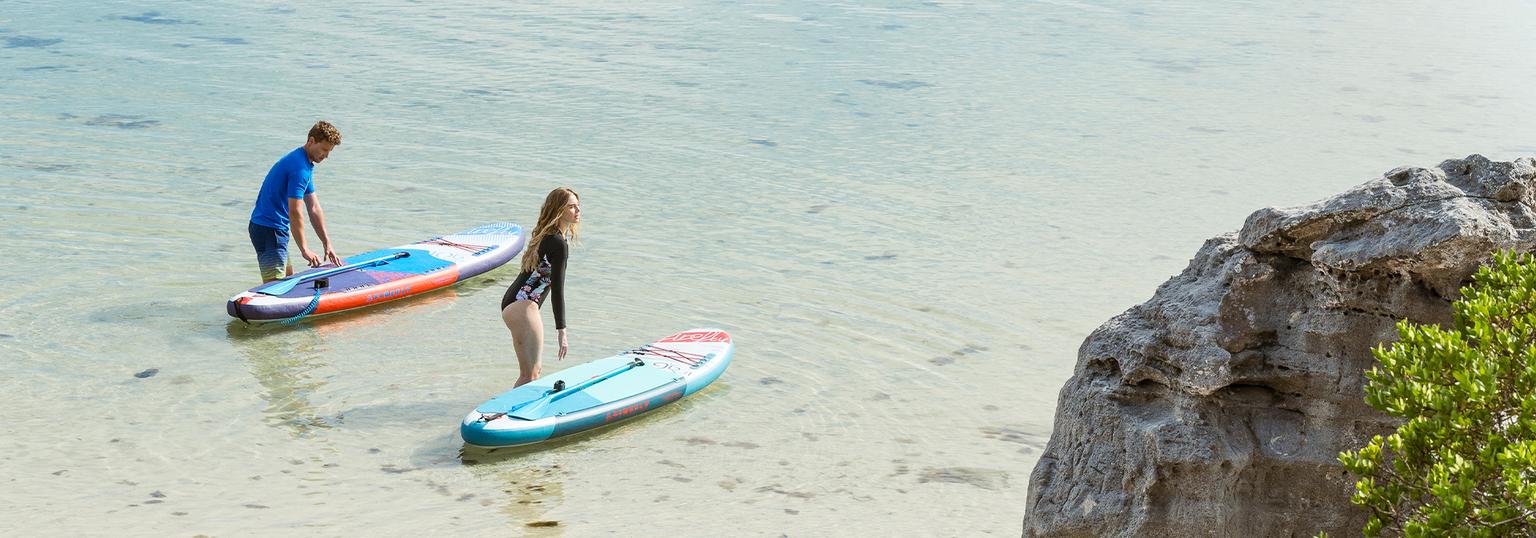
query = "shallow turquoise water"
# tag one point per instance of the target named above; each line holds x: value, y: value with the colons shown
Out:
x: 907, y: 214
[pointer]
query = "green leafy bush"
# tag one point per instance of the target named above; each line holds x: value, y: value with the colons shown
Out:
x: 1464, y: 461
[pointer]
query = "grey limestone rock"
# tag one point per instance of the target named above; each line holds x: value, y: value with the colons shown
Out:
x: 1219, y: 406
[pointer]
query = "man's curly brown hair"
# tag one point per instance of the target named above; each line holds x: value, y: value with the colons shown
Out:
x: 323, y: 131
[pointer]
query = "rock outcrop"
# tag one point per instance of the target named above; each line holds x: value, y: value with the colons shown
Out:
x: 1219, y: 407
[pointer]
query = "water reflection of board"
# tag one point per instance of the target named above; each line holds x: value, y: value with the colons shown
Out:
x: 382, y: 275
x: 601, y: 392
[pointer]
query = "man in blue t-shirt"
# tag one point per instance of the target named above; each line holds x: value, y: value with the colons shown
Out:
x: 288, y: 182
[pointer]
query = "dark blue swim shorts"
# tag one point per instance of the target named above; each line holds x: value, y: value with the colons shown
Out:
x: 271, y: 250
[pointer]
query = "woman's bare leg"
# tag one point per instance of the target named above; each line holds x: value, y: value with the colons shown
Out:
x: 522, y: 319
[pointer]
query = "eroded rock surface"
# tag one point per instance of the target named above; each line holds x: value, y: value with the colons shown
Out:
x: 1219, y: 407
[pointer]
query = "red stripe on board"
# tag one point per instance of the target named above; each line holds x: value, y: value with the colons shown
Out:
x: 698, y: 336
x: 388, y: 291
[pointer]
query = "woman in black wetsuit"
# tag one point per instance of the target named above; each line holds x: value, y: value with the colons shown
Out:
x: 543, y: 277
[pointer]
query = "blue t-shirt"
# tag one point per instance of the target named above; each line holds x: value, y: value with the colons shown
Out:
x: 291, y: 177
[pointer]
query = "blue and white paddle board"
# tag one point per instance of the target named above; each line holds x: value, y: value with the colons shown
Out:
x: 601, y: 392
x: 381, y: 275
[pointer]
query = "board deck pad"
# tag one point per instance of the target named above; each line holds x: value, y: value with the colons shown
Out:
x: 582, y: 372
x: 623, y: 385
x: 419, y: 262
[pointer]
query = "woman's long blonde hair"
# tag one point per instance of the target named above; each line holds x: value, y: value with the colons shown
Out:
x: 549, y: 222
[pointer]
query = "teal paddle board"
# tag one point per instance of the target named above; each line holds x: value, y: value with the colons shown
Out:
x: 602, y: 392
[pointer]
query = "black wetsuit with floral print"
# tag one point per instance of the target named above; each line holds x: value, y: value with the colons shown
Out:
x: 547, y: 279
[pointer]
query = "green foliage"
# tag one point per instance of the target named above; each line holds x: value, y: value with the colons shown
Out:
x: 1464, y: 461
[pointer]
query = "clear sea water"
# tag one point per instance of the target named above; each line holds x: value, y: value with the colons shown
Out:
x: 908, y: 215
